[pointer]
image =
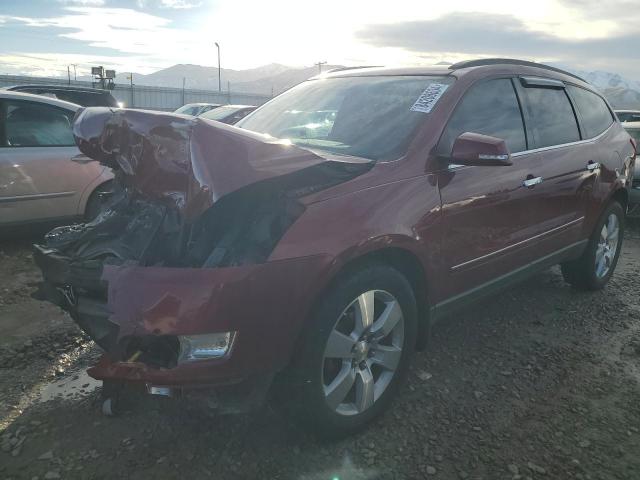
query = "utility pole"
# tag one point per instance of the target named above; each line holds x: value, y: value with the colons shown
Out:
x: 75, y: 77
x: 131, y: 83
x: 219, y: 77
x: 68, y: 76
x: 319, y: 64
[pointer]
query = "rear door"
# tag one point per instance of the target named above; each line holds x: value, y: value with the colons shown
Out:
x: 488, y: 217
x: 568, y: 165
x: 603, y: 145
x: 42, y: 173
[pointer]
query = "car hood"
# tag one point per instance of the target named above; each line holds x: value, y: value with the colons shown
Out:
x: 189, y: 163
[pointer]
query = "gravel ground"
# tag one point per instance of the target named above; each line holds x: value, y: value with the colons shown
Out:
x: 539, y: 382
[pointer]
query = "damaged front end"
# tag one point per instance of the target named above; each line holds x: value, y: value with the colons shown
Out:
x: 172, y: 278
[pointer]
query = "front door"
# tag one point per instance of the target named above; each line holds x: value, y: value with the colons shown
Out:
x: 487, y: 212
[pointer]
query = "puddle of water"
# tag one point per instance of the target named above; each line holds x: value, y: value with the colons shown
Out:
x: 79, y: 384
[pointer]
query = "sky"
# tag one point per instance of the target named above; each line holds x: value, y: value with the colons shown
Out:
x: 43, y: 37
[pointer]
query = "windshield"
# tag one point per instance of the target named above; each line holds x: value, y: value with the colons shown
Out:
x: 220, y: 113
x: 189, y: 109
x: 370, y: 117
x: 628, y: 116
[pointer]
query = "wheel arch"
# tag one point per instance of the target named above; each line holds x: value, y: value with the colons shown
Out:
x: 97, y: 189
x: 103, y: 178
x: 408, y: 263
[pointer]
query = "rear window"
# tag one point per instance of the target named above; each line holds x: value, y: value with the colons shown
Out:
x: 552, y: 118
x: 594, y: 113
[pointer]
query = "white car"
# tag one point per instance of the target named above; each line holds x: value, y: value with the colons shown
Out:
x: 43, y: 175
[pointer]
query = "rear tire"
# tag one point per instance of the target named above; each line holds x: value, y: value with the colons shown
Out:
x: 595, y: 267
x: 371, y: 352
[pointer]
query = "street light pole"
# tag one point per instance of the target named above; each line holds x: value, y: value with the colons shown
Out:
x: 319, y: 64
x: 131, y: 84
x: 219, y: 77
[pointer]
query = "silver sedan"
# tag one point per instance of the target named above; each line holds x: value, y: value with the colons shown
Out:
x: 43, y: 175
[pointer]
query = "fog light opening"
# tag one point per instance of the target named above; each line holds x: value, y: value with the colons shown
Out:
x: 205, y: 347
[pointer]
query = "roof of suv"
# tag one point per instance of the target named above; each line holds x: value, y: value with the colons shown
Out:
x: 11, y: 95
x: 503, y: 65
x: 74, y: 88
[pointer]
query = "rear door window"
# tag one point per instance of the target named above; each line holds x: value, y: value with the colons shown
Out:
x: 594, y: 113
x: 551, y: 116
x: 32, y: 124
x: 489, y: 108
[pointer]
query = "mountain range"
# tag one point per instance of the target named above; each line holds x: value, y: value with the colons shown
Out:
x: 274, y: 78
x: 621, y: 93
x: 268, y: 79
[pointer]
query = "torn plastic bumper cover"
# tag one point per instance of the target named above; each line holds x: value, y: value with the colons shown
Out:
x: 180, y: 249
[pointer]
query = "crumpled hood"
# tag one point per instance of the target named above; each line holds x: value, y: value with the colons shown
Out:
x: 189, y: 163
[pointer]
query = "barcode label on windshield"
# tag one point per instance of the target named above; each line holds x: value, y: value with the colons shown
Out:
x: 429, y: 97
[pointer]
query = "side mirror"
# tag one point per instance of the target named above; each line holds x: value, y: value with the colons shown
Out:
x: 480, y: 150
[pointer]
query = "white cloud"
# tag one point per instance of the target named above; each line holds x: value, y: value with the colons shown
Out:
x: 121, y: 29
x: 284, y: 31
x: 179, y: 4
x: 84, y: 3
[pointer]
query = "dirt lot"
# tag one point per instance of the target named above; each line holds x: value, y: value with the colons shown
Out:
x: 539, y: 382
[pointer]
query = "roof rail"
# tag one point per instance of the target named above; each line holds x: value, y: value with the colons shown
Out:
x: 340, y: 69
x: 510, y: 61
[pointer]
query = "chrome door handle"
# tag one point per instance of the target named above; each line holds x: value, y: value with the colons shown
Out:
x: 82, y: 159
x: 530, y: 182
x: 591, y: 166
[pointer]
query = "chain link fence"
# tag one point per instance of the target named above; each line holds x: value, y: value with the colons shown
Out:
x: 148, y: 97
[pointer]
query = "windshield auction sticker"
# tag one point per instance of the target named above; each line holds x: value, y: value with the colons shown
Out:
x: 429, y: 97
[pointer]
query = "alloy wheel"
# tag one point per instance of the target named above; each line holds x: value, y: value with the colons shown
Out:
x: 607, y: 245
x: 363, y: 352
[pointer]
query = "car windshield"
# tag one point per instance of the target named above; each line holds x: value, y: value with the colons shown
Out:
x: 188, y: 109
x: 370, y: 117
x: 220, y: 113
x: 628, y: 116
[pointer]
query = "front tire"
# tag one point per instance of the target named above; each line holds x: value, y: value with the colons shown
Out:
x: 595, y: 267
x: 355, y: 353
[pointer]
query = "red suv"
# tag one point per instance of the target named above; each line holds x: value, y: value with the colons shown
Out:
x: 307, y: 250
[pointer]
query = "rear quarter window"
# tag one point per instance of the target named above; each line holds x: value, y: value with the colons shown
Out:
x: 594, y: 113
